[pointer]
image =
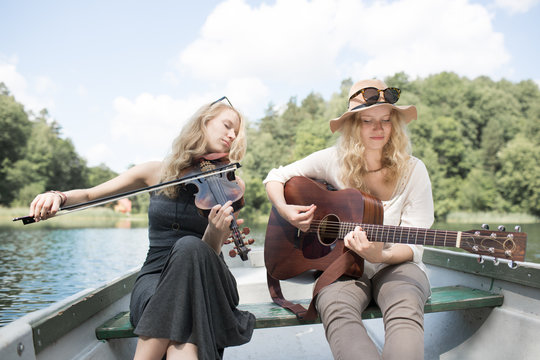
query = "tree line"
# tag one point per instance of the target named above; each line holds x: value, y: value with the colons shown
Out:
x: 479, y: 139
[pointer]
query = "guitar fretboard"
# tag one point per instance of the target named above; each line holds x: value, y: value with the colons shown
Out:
x: 404, y: 235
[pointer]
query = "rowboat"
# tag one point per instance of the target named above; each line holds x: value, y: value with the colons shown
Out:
x: 503, y: 330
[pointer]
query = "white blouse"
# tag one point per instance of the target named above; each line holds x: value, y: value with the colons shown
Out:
x: 411, y: 204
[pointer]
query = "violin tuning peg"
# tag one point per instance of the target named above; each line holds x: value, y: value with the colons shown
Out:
x: 517, y: 228
x: 501, y: 228
x: 232, y: 253
x: 246, y: 231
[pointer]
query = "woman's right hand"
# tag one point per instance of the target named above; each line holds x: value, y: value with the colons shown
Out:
x: 299, y: 216
x: 45, y: 206
x: 218, y: 229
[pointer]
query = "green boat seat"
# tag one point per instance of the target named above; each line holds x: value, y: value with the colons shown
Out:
x: 269, y: 315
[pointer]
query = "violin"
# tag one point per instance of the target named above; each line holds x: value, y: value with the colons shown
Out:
x: 218, y: 188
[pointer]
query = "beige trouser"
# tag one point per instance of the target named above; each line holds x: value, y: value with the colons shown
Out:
x: 400, y: 291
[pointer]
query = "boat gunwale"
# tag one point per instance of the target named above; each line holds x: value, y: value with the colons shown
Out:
x: 526, y: 273
x: 57, y: 323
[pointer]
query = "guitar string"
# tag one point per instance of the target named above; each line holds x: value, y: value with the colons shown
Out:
x: 430, y: 234
x: 437, y: 241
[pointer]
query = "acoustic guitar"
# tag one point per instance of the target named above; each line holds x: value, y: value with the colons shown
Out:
x: 289, y: 252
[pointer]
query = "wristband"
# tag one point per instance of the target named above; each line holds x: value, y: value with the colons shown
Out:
x: 63, y: 197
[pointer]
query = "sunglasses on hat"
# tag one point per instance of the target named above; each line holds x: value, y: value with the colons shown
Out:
x: 371, y: 95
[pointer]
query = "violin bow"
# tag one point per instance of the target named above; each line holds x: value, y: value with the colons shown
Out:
x: 107, y: 199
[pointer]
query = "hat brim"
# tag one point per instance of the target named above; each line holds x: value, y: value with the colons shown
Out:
x: 404, y: 113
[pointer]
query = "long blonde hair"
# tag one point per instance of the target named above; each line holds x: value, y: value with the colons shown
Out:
x: 351, y: 150
x: 192, y: 141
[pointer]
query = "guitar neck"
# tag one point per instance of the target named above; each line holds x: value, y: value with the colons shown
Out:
x: 405, y: 235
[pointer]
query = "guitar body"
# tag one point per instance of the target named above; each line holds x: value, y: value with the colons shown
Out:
x: 288, y: 253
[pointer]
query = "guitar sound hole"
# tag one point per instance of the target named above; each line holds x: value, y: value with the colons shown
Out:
x: 328, y: 230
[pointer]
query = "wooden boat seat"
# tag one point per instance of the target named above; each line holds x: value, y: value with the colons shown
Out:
x: 269, y: 315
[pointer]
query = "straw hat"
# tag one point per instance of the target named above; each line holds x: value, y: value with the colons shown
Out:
x: 404, y: 113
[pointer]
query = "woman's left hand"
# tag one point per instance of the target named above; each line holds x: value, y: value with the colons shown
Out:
x: 358, y: 242
x: 219, y: 222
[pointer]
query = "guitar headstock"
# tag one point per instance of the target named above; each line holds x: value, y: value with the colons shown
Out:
x: 499, y: 244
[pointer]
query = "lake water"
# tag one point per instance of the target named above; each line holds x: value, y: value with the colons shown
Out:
x: 39, y: 266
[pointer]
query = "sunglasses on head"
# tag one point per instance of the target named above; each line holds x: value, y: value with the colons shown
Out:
x: 371, y: 95
x: 221, y: 99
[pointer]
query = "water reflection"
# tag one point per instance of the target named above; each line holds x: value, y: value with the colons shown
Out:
x: 123, y: 224
x: 43, y: 266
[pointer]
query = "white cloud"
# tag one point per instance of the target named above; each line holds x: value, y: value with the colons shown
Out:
x: 151, y: 122
x: 266, y: 42
x: 516, y: 6
x: 146, y: 119
x: 34, y: 97
x: 250, y: 95
x: 299, y: 41
x: 99, y: 153
x: 428, y: 37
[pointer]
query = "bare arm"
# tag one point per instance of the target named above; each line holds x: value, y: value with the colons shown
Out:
x: 47, y: 204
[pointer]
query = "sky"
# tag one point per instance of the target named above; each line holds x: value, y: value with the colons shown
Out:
x: 122, y: 77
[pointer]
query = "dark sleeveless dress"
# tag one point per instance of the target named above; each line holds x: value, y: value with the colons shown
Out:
x: 185, y: 291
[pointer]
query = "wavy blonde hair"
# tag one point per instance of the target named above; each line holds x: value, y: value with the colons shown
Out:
x: 191, y: 144
x: 351, y: 150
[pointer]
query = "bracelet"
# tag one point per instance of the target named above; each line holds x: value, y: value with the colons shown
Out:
x: 63, y: 196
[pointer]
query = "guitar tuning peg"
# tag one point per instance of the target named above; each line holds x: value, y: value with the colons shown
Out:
x: 485, y: 226
x: 227, y: 242
x: 517, y: 228
x: 232, y: 253
x: 250, y: 241
x: 246, y: 231
x: 501, y: 228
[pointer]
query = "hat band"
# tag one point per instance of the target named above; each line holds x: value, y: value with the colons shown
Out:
x: 361, y: 106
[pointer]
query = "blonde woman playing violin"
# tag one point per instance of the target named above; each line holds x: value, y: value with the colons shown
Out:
x: 183, y: 304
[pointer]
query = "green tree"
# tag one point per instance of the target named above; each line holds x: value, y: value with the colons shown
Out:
x: 99, y: 174
x: 16, y: 128
x: 519, y: 176
x: 49, y: 163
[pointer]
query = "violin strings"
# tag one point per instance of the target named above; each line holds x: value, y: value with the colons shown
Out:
x: 237, y: 237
